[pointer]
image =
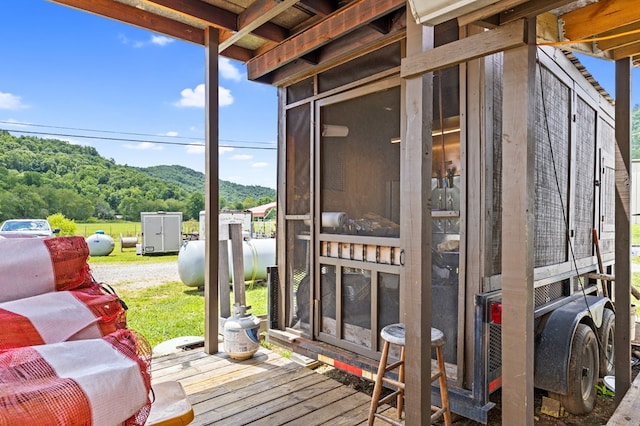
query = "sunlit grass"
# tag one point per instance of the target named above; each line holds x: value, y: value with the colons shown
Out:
x: 172, y: 310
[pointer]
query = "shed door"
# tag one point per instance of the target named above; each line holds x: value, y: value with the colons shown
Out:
x: 357, y: 285
x: 172, y: 233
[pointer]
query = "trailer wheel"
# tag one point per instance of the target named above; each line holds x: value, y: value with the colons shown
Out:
x: 605, y: 341
x: 582, y: 373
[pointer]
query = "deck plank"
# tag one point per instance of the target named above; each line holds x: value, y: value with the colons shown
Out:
x: 266, y: 389
x: 267, y: 403
x: 327, y: 411
x: 627, y: 412
x: 295, y: 413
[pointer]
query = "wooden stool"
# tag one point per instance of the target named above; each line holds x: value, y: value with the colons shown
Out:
x: 393, y: 334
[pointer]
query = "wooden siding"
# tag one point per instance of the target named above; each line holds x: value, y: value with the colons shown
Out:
x: 266, y: 389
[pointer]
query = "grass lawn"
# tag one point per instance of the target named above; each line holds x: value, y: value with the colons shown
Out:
x: 172, y: 310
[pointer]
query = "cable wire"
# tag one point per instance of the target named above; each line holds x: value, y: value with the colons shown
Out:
x: 138, y: 140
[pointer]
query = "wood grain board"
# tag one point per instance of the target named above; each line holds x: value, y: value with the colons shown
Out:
x: 266, y: 389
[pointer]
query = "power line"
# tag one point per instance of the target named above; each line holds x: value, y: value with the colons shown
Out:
x: 139, y: 140
x: 13, y: 123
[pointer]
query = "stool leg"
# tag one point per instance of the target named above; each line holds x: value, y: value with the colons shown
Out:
x: 377, y: 388
x: 444, y: 390
x: 400, y: 400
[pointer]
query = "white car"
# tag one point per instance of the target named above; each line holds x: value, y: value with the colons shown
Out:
x: 25, y: 228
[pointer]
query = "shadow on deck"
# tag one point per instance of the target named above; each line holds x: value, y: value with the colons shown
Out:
x: 266, y: 389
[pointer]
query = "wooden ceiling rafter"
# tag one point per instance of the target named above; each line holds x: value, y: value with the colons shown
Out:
x: 600, y: 17
x: 259, y: 13
x: 205, y: 13
x: 343, y: 21
x: 317, y: 7
x: 621, y: 39
x: 629, y: 50
x: 234, y: 26
x: 531, y: 9
x: 347, y: 48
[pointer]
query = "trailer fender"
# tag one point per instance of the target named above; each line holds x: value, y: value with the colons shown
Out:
x: 553, y: 343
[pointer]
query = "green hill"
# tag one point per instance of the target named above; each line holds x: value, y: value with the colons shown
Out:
x: 39, y: 177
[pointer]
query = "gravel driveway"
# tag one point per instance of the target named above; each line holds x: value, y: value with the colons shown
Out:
x: 136, y: 275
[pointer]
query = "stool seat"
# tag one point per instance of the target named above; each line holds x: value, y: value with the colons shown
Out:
x: 394, y: 334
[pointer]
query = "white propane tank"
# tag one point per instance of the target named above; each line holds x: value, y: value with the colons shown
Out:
x: 257, y: 255
x: 241, y: 333
x: 100, y: 244
x: 191, y: 263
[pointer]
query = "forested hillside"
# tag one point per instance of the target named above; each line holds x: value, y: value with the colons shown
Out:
x: 39, y: 177
x: 635, y: 132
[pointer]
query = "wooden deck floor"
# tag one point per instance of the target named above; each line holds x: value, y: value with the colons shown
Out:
x: 264, y: 390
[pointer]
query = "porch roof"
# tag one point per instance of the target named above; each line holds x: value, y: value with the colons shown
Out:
x: 283, y: 41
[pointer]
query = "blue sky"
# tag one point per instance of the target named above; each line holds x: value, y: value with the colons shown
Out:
x: 73, y: 70
x: 65, y: 68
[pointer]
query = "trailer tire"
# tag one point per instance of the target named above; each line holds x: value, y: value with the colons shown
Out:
x: 605, y: 342
x: 582, y: 372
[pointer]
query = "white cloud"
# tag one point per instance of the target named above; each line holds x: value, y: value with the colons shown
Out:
x: 223, y: 149
x: 170, y: 134
x: 144, y: 146
x: 123, y: 39
x: 160, y: 40
x: 192, y: 97
x: 224, y: 97
x: 195, y: 148
x: 10, y: 101
x: 259, y: 164
x: 227, y: 70
x: 157, y: 40
x: 195, y: 97
x: 242, y: 157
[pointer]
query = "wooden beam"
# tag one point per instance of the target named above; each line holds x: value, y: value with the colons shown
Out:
x: 318, y: 7
x: 415, y: 222
x: 518, y: 231
x: 619, y: 41
x: 476, y: 46
x: 140, y: 18
x: 345, y: 20
x: 622, y: 296
x: 626, y: 51
x: 200, y: 10
x: 479, y: 15
x: 599, y: 17
x: 211, y: 174
x: 356, y: 44
x: 531, y: 9
x: 210, y: 15
x: 257, y: 14
x: 238, y: 53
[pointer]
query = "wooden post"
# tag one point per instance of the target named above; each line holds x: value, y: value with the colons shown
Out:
x: 235, y: 235
x: 415, y: 220
x: 622, y: 227
x: 223, y: 278
x: 281, y: 227
x: 211, y: 193
x: 518, y: 204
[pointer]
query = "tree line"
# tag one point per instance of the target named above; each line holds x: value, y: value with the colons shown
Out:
x: 40, y: 177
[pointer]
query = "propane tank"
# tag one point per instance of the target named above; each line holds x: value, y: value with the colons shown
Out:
x: 100, y: 244
x: 241, y: 333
